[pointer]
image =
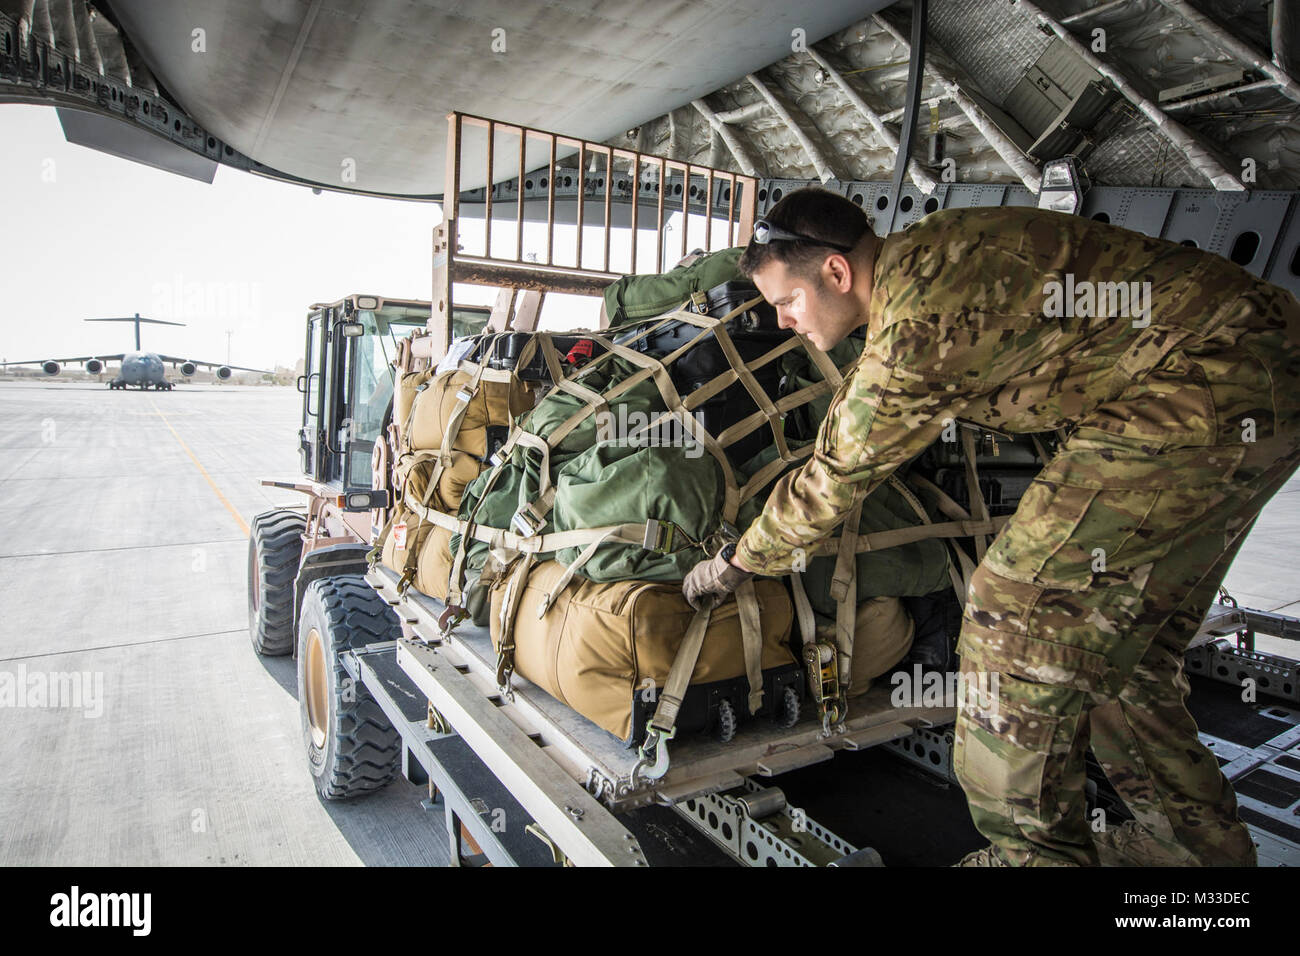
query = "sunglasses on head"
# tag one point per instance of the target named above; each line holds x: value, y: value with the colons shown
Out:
x: 765, y: 232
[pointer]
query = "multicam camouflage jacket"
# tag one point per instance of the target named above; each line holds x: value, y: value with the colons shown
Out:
x: 1027, y: 321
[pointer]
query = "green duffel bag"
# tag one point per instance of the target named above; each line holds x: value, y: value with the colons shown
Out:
x: 637, y: 297
x: 800, y: 371
x: 520, y: 477
x: 678, y: 486
x: 558, y: 406
x: 905, y: 570
x: 492, y: 507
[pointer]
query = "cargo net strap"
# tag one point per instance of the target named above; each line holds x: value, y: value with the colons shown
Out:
x: 652, y: 756
x: 524, y: 536
x: 524, y: 539
x: 830, y: 665
x: 681, y: 410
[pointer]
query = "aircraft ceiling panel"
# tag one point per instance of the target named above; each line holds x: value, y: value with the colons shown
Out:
x: 325, y: 89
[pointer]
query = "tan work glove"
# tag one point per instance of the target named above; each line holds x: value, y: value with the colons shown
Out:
x: 711, y: 582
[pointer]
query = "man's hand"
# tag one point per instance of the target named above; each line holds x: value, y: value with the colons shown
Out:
x: 711, y: 582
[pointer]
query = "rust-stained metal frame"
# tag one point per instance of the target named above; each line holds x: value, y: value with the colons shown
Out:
x: 451, y: 266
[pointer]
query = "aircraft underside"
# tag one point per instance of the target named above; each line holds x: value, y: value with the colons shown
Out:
x: 159, y: 386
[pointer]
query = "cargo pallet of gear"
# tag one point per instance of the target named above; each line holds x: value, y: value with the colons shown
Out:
x: 393, y: 677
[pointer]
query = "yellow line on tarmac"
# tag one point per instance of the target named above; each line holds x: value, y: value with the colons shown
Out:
x: 203, y: 471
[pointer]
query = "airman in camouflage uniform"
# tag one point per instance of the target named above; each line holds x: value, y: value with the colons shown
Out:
x: 1183, y: 421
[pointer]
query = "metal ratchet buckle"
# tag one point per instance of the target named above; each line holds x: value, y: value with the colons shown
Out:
x: 504, y: 673
x: 659, y: 536
x: 527, y: 521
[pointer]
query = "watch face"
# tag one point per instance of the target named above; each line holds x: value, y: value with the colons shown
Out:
x: 728, y: 551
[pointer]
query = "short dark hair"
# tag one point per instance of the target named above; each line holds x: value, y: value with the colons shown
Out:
x: 814, y: 212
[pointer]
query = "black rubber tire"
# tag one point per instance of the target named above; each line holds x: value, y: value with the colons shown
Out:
x: 789, y: 708
x: 361, y: 752
x: 274, y: 552
x: 725, y: 729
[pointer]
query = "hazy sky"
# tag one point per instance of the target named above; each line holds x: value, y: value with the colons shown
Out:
x: 87, y: 234
x: 109, y: 237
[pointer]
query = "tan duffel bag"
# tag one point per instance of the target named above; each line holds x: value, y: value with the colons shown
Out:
x: 404, y: 544
x: 882, y: 636
x: 433, y: 566
x: 441, y: 404
x: 597, y: 645
x: 447, y: 437
x: 408, y: 387
x: 435, y: 407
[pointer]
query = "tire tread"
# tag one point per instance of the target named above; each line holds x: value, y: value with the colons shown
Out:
x: 367, y: 749
x: 277, y: 537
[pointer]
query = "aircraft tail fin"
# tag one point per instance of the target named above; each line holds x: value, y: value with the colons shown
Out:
x: 137, y: 320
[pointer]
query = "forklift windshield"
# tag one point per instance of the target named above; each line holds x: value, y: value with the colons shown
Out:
x: 370, y: 382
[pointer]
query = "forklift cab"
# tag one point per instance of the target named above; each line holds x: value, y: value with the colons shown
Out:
x: 348, y: 385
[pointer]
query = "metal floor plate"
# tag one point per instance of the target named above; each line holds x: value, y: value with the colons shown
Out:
x: 1258, y: 748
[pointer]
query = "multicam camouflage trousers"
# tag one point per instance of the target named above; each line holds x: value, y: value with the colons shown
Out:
x: 1083, y: 607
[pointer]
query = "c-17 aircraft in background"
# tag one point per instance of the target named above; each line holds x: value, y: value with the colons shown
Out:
x: 139, y: 368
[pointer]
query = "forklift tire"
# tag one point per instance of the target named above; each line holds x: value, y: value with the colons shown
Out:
x: 352, y: 748
x: 274, y: 551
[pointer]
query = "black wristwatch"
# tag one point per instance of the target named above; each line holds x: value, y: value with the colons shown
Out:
x: 728, y: 551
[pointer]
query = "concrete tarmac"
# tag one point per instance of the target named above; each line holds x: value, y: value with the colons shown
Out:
x: 123, y: 557
x: 123, y: 552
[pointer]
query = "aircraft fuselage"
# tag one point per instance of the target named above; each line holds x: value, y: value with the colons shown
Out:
x: 142, y: 369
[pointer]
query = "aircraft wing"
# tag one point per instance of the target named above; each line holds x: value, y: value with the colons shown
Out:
x: 237, y: 368
x: 64, y: 361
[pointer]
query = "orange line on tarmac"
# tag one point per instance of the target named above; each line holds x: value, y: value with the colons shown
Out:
x: 203, y: 471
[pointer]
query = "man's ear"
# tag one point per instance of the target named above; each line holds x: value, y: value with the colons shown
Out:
x: 838, y: 273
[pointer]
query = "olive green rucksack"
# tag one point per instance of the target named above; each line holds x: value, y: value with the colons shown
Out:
x: 636, y: 297
x: 678, y: 486
x: 802, y: 422
x: 498, y: 494
x: 651, y: 478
